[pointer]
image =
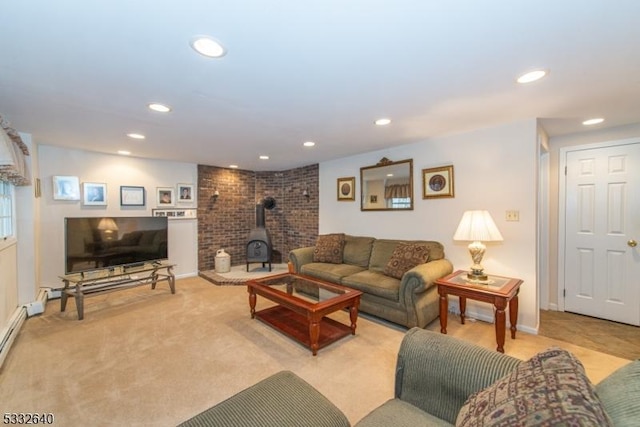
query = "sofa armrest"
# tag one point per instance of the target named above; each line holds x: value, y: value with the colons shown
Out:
x: 423, y: 276
x: 437, y: 373
x: 300, y: 257
x: 283, y: 399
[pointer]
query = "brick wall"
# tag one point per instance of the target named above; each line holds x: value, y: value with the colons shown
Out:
x: 225, y: 223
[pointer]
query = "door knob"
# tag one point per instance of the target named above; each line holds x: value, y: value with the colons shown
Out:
x: 632, y: 243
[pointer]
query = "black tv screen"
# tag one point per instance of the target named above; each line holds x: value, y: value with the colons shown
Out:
x: 105, y: 242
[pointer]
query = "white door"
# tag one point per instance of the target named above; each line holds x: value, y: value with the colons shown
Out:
x: 602, y: 224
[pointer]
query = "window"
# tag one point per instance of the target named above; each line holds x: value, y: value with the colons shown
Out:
x: 401, y: 202
x: 6, y: 209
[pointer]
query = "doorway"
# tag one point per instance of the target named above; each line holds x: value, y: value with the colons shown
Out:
x: 599, y: 226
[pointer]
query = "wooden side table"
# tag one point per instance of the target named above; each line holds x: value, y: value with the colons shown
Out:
x: 496, y: 290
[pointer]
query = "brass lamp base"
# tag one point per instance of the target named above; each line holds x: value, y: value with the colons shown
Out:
x: 477, y: 275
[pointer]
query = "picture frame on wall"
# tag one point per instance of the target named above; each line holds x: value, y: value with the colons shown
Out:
x: 347, y: 189
x: 437, y: 182
x: 185, y: 193
x: 66, y: 188
x: 165, y: 196
x: 94, y: 194
x: 132, y: 195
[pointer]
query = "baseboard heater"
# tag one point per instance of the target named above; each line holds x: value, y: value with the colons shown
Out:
x: 9, y: 333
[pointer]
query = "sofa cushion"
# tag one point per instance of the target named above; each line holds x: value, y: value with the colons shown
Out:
x: 620, y: 394
x: 357, y: 250
x: 406, y: 256
x: 381, y: 253
x: 551, y: 388
x: 329, y: 248
x: 330, y: 272
x: 397, y: 413
x: 283, y: 399
x: 374, y: 283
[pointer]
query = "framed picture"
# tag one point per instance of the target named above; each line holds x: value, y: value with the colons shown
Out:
x: 347, y: 189
x: 66, y: 188
x: 176, y: 213
x: 165, y: 196
x: 185, y: 193
x: 131, y: 195
x: 94, y: 194
x: 437, y: 182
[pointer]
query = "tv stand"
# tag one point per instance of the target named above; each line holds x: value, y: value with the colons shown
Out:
x: 79, y: 285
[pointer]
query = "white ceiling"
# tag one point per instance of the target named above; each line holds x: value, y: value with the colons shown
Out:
x: 79, y: 73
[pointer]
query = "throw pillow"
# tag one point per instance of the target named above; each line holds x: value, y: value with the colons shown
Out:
x: 404, y: 257
x: 329, y: 248
x: 549, y: 389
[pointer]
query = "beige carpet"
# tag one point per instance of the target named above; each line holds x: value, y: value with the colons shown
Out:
x: 149, y: 358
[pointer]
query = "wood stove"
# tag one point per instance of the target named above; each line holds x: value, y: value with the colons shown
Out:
x: 259, y: 243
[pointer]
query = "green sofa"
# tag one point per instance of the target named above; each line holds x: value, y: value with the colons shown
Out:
x: 437, y: 379
x: 410, y: 301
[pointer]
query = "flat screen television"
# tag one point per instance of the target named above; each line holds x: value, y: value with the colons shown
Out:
x: 106, y: 242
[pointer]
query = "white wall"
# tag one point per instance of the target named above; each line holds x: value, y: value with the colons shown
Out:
x: 114, y: 171
x: 494, y: 169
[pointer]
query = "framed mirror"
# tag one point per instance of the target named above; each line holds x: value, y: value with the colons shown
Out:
x: 387, y: 186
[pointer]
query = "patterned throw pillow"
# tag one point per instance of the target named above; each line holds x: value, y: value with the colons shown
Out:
x: 549, y: 389
x: 406, y: 256
x: 329, y: 248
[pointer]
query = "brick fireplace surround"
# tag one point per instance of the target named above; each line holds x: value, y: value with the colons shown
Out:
x: 225, y: 221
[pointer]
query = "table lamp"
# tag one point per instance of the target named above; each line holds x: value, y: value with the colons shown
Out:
x: 477, y: 226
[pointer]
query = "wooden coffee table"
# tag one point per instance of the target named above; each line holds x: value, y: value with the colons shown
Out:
x: 302, y: 306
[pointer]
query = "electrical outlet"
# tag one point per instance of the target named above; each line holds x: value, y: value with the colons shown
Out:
x: 513, y: 215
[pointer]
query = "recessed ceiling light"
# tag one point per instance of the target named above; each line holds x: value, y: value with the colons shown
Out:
x: 309, y: 144
x: 382, y: 122
x: 532, y: 76
x: 207, y: 46
x: 160, y: 108
x: 136, y: 136
x: 124, y: 152
x: 263, y: 157
x: 593, y: 121
x: 389, y: 174
x: 233, y: 166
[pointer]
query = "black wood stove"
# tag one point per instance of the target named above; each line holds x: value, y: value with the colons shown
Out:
x: 259, y: 243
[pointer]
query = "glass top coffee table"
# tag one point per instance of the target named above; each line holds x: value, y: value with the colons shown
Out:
x: 302, y: 306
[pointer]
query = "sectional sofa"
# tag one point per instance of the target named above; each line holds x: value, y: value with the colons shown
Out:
x: 444, y: 381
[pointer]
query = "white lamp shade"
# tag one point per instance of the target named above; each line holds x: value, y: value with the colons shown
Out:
x: 477, y: 226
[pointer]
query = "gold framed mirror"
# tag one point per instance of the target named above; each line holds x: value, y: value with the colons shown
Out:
x: 387, y: 186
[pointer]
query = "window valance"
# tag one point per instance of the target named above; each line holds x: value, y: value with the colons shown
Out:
x: 397, y: 191
x: 13, y: 165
